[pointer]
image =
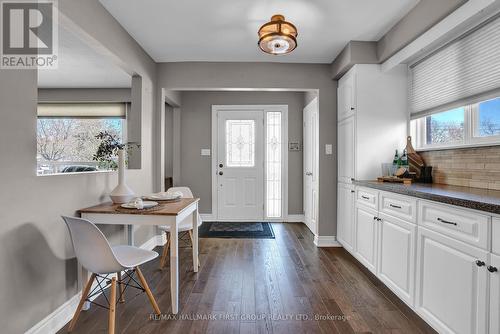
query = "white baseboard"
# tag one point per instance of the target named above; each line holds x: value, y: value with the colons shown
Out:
x: 207, y: 217
x: 57, y: 319
x: 295, y: 219
x: 326, y: 241
x: 63, y: 314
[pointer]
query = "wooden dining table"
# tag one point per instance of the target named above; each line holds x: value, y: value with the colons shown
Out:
x: 169, y: 213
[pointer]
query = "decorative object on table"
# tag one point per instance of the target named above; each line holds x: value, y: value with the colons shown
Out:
x: 165, y: 197
x: 139, y: 204
x: 108, y: 149
x: 236, y: 230
x: 415, y: 161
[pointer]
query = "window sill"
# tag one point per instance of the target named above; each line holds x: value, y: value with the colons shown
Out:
x: 453, y: 147
x: 79, y: 173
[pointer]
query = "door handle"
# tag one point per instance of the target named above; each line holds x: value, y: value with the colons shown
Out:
x: 221, y: 173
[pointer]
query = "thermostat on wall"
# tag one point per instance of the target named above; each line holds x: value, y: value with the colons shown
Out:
x: 294, y: 146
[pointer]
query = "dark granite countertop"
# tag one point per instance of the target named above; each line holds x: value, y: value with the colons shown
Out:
x: 471, y: 198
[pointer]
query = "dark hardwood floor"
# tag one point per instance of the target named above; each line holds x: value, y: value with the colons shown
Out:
x: 285, y: 285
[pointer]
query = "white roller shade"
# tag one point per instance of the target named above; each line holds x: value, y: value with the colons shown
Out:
x: 465, y: 68
x: 82, y: 110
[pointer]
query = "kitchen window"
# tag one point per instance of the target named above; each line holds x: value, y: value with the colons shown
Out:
x: 474, y: 124
x: 66, y: 135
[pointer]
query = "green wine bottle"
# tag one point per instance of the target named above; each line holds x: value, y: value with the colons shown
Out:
x: 396, y: 158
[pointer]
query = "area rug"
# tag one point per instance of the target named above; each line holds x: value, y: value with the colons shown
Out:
x: 236, y: 230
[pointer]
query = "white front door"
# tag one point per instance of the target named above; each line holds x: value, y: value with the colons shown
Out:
x: 311, y: 158
x: 240, y: 172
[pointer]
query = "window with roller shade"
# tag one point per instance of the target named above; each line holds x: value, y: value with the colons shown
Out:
x: 454, y: 93
x: 66, y: 135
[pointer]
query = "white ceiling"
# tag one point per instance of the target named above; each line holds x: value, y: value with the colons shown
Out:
x: 226, y: 30
x: 81, y: 67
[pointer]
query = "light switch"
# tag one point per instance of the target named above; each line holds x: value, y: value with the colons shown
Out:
x: 328, y: 149
x: 205, y: 152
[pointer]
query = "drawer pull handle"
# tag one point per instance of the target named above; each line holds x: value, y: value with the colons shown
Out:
x: 492, y: 269
x: 480, y: 263
x: 365, y: 197
x: 394, y: 206
x: 446, y: 222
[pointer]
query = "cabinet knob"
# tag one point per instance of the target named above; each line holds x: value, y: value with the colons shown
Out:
x: 221, y: 173
x: 492, y: 269
x: 352, y: 108
x: 480, y: 263
x: 352, y: 191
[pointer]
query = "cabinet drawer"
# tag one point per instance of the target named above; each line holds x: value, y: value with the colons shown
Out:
x: 399, y: 206
x: 367, y: 197
x: 464, y: 225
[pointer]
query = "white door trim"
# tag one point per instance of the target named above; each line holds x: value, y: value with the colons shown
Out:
x: 284, y: 169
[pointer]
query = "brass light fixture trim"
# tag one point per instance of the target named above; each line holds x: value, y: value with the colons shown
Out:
x: 278, y: 37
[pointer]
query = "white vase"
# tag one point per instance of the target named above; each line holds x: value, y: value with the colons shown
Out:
x: 122, y: 193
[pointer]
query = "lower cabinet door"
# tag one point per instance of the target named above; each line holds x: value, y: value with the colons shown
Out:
x: 396, y: 256
x: 345, y: 216
x: 366, y: 237
x: 494, y: 294
x: 451, y: 288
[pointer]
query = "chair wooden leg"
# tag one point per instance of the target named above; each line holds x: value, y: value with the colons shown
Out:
x: 148, y: 291
x: 164, y: 254
x: 191, y: 237
x: 85, y: 293
x: 112, y: 307
x: 121, y: 299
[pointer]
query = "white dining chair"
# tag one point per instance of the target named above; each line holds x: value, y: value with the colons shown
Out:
x: 186, y: 226
x: 95, y: 254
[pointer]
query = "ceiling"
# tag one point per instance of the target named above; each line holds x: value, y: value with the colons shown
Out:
x: 81, y: 67
x: 226, y: 30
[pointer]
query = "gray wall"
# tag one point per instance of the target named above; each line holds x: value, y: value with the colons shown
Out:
x: 39, y: 271
x: 420, y: 19
x: 196, y: 119
x: 169, y: 141
x: 298, y: 77
x: 84, y: 95
x: 355, y: 52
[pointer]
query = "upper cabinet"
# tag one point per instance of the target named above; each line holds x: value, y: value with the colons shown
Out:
x: 372, y: 119
x: 346, y: 95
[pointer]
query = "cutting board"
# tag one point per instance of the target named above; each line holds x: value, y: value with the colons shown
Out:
x: 415, y: 161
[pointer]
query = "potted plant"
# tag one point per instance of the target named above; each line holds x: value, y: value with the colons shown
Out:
x: 109, y: 148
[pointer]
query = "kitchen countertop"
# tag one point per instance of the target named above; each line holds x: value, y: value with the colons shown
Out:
x: 471, y: 198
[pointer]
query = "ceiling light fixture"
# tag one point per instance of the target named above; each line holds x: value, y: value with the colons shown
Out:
x: 278, y: 36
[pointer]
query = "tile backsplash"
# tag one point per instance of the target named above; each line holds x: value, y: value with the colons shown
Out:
x: 470, y: 167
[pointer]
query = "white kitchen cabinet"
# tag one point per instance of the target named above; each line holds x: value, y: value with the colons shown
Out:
x: 494, y: 277
x: 372, y: 119
x: 365, y: 231
x: 345, y: 216
x: 346, y: 95
x: 345, y: 160
x: 451, y: 288
x: 396, y: 256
